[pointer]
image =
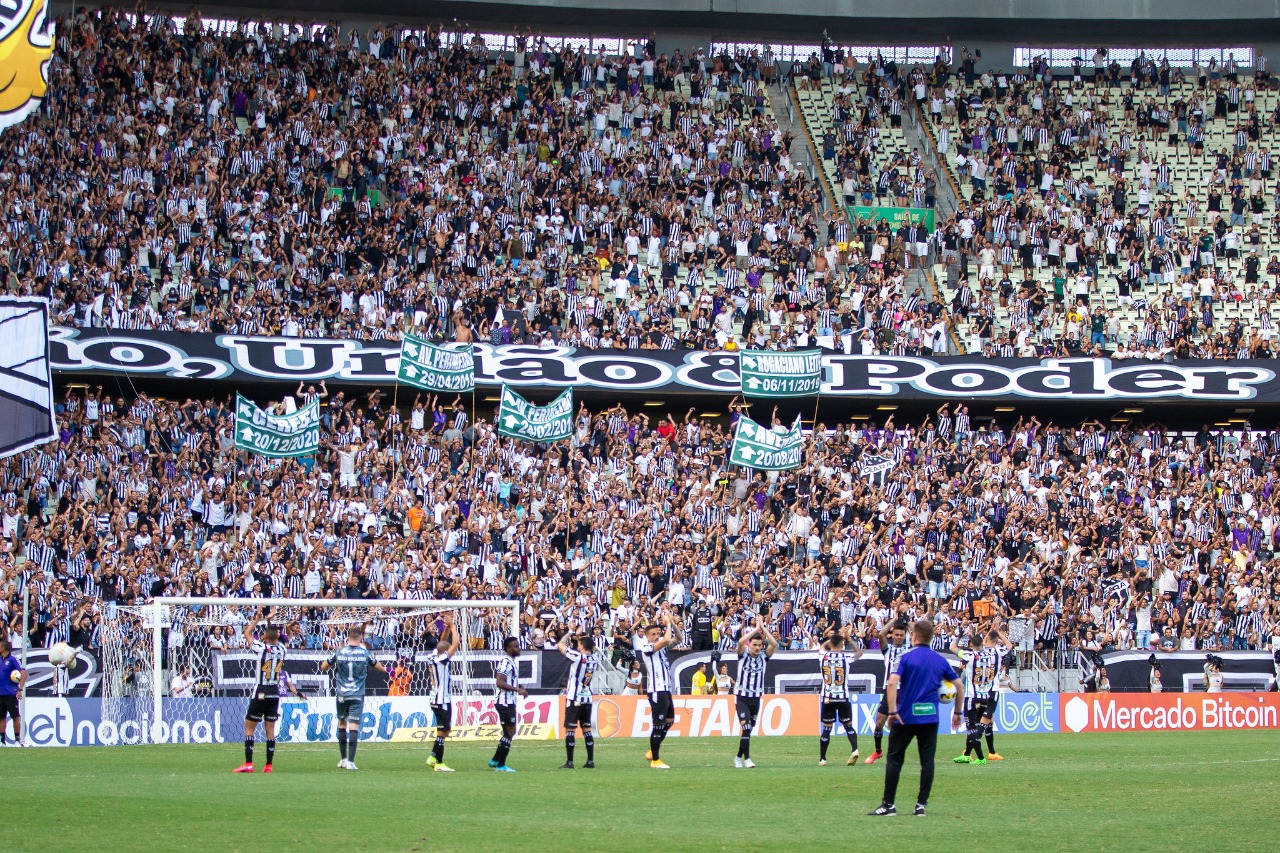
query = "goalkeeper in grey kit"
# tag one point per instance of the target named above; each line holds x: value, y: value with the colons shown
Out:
x: 351, y: 668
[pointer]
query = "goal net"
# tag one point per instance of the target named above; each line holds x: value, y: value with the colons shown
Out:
x: 187, y: 661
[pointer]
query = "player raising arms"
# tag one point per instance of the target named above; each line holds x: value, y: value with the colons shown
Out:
x: 653, y: 654
x: 350, y: 665
x: 893, y: 639
x: 836, y: 661
x: 755, y: 648
x: 577, y: 694
x: 982, y: 672
x: 441, y: 697
x: 508, y: 680
x: 264, y: 704
x: 999, y: 648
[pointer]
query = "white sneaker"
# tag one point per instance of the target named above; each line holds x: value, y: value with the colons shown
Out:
x: 342, y: 764
x: 351, y: 766
x: 737, y: 761
x: 748, y: 763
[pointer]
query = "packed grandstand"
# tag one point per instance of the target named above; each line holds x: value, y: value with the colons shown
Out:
x: 313, y: 181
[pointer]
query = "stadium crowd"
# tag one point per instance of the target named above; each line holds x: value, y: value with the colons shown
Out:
x: 1126, y: 210
x: 370, y: 183
x: 1075, y: 536
x: 365, y: 184
x: 277, y: 180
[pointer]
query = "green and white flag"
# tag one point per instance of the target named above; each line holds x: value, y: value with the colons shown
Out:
x: 756, y: 446
x: 277, y: 435
x: 767, y: 373
x: 518, y: 418
x: 432, y: 368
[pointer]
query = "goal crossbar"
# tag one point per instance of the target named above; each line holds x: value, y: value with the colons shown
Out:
x: 158, y: 605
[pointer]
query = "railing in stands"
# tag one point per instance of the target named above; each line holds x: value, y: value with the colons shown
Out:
x: 821, y: 173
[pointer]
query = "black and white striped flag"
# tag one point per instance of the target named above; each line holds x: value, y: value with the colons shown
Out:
x: 26, y: 387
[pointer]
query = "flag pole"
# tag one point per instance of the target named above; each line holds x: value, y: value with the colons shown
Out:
x: 395, y: 389
x: 235, y: 469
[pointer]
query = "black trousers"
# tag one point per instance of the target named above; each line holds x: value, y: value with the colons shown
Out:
x: 900, y: 737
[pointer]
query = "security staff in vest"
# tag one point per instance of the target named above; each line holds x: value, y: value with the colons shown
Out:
x: 912, y: 695
x: 702, y: 628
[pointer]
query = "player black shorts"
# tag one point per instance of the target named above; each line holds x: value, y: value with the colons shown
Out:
x: 883, y: 707
x: 662, y: 708
x: 263, y: 707
x: 350, y: 710
x: 992, y: 701
x: 443, y: 715
x: 506, y: 714
x: 577, y: 714
x: 8, y: 706
x: 748, y: 710
x: 840, y: 709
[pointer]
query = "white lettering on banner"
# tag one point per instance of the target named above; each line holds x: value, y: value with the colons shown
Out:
x: 1110, y: 715
x: 1221, y: 711
x: 1219, y: 714
x: 292, y: 359
x: 315, y: 720
x: 1036, y: 715
x: 710, y: 717
x: 785, y: 364
x: 774, y: 719
x: 53, y: 722
x: 130, y: 355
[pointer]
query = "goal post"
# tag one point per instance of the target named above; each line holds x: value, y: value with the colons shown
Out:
x: 201, y: 639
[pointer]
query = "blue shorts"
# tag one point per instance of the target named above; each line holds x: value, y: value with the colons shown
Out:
x: 350, y: 710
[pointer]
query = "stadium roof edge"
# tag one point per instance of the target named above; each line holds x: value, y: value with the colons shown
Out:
x: 1135, y: 22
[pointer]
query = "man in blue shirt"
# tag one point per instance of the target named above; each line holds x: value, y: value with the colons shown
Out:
x: 10, y: 690
x: 913, y: 710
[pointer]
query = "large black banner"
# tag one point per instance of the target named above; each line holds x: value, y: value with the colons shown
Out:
x: 788, y: 672
x: 248, y: 359
x: 1183, y: 672
x: 230, y: 673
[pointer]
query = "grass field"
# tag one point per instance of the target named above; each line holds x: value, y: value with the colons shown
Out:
x: 1129, y: 792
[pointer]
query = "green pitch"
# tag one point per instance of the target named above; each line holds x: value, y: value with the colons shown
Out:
x: 1128, y: 792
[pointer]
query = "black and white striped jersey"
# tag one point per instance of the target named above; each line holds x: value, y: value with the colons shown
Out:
x: 836, y: 666
x: 892, y: 656
x: 508, y: 669
x: 750, y: 683
x: 270, y: 663
x: 657, y: 668
x: 582, y: 668
x: 984, y: 672
x: 441, y: 678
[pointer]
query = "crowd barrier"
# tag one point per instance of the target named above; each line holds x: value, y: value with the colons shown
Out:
x: 81, y: 722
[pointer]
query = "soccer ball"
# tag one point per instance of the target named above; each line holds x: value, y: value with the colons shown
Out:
x: 62, y: 654
x: 947, y: 692
x: 15, y: 676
